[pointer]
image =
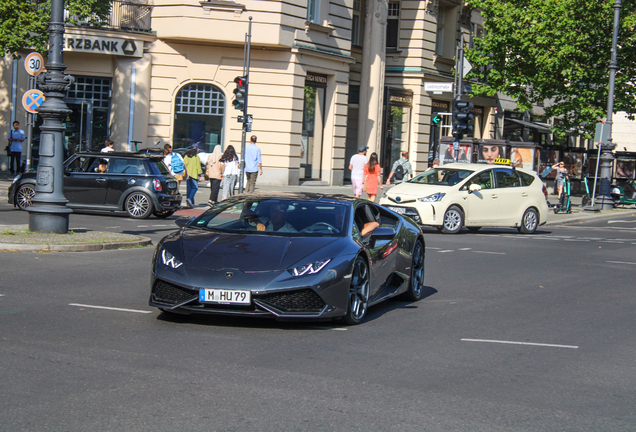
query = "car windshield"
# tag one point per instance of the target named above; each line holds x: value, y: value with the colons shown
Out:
x: 275, y: 216
x: 442, y: 176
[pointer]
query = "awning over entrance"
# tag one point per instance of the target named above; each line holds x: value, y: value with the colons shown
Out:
x: 541, y: 127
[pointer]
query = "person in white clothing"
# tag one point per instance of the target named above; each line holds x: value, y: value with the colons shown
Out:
x: 230, y: 168
x: 108, y: 147
x: 356, y: 165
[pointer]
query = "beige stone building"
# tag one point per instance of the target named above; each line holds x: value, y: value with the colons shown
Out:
x: 325, y: 77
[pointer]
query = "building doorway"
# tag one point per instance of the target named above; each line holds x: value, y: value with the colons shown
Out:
x: 313, y: 125
x: 397, y: 120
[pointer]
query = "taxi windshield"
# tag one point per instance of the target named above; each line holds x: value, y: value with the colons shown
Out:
x: 442, y: 176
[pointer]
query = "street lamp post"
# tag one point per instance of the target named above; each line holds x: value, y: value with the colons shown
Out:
x: 604, y: 199
x: 49, y: 213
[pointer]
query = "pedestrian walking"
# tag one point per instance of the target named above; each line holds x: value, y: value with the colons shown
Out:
x: 231, y: 167
x: 372, y: 179
x: 174, y: 163
x: 401, y: 170
x: 214, y: 174
x: 16, y: 137
x: 108, y: 146
x: 356, y: 166
x: 253, y: 164
x: 192, y: 164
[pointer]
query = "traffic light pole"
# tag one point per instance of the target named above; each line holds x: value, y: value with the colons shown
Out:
x: 246, y: 74
x: 459, y: 71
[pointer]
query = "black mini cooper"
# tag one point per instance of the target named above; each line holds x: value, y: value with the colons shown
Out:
x: 138, y: 184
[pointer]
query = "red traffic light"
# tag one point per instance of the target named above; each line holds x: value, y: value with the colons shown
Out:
x: 240, y: 81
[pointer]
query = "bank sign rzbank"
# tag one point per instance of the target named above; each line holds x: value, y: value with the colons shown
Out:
x: 102, y: 45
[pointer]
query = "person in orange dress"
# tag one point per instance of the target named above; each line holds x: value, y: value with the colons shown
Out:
x: 372, y: 177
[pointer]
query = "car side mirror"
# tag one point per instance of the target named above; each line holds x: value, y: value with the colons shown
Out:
x: 474, y: 188
x: 183, y: 222
x: 383, y: 233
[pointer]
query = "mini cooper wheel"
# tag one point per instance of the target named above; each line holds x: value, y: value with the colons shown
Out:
x: 416, y: 284
x: 24, y: 195
x: 529, y: 222
x: 358, y: 293
x: 453, y: 220
x: 138, y: 205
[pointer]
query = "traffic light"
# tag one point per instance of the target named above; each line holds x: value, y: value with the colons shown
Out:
x: 240, y: 92
x: 462, y: 118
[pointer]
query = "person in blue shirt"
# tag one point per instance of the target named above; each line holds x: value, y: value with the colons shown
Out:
x: 16, y: 137
x: 253, y: 164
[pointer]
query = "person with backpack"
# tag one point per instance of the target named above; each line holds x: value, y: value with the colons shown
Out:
x: 193, y: 166
x: 175, y: 164
x: 400, y: 170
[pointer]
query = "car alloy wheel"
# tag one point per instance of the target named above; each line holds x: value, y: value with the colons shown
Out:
x: 24, y: 195
x: 358, y: 293
x: 453, y: 220
x: 138, y: 205
x: 529, y: 222
x: 416, y: 284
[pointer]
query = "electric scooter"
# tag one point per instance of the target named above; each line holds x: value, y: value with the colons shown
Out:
x: 586, y: 198
x: 624, y: 195
x: 565, y: 204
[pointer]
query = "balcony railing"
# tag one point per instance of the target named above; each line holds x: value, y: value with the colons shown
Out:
x: 125, y: 15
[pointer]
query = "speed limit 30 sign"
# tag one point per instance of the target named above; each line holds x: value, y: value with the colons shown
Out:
x: 34, y: 63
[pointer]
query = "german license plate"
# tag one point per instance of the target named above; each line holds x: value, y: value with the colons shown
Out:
x: 225, y: 296
x: 398, y: 210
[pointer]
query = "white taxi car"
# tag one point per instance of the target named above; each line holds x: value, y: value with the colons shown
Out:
x: 471, y: 195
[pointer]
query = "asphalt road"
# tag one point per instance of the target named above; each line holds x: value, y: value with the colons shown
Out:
x: 518, y: 333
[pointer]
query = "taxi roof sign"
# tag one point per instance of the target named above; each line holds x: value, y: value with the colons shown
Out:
x: 503, y: 161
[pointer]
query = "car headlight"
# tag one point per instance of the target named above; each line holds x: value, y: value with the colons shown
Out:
x: 432, y: 198
x: 311, y: 268
x: 16, y: 178
x: 169, y: 260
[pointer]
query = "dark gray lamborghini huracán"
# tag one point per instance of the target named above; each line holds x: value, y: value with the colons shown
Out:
x: 288, y: 256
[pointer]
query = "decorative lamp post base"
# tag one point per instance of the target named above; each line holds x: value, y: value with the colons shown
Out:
x: 49, y: 219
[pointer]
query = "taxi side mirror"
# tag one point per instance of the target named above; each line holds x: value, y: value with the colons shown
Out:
x: 474, y: 188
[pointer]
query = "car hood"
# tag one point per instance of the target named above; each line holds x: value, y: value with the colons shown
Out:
x: 411, y: 191
x: 247, y: 253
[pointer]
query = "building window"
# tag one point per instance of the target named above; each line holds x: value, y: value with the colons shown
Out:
x: 313, y: 11
x: 355, y: 23
x: 393, y: 26
x: 446, y: 27
x: 198, y: 110
x: 89, y: 88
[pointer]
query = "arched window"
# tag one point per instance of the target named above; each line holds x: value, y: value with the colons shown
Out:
x: 198, y: 117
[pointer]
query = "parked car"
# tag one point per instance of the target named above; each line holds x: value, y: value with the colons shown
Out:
x: 472, y: 195
x: 288, y: 256
x: 138, y: 184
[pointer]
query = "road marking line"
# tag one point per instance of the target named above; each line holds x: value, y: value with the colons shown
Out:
x: 611, y: 241
x: 434, y: 248
x: 109, y: 308
x: 621, y: 262
x: 116, y: 226
x: 621, y: 221
x: 464, y: 249
x: 160, y: 225
x: 576, y: 240
x: 486, y: 252
x: 448, y: 250
x: 520, y: 343
x: 142, y: 226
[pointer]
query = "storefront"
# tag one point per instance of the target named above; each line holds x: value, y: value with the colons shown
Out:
x: 199, y: 110
x: 396, y: 130
x: 311, y: 146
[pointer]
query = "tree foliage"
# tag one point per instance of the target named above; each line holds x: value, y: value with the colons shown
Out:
x: 24, y: 23
x: 556, y: 52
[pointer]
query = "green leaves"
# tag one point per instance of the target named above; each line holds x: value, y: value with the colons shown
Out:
x: 24, y: 23
x: 557, y: 52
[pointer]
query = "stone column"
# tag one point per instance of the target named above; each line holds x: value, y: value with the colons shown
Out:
x: 372, y: 75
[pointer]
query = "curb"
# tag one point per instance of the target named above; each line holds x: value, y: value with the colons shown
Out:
x: 593, y: 216
x: 20, y: 247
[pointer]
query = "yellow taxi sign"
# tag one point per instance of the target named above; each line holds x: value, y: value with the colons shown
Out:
x: 502, y: 161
